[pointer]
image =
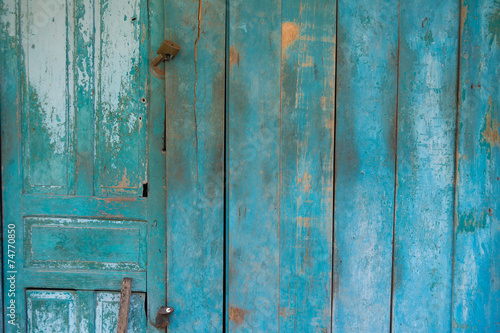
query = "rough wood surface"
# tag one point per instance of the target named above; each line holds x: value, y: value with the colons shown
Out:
x: 476, y: 292
x: 367, y: 61
x: 423, y: 247
x: 124, y: 308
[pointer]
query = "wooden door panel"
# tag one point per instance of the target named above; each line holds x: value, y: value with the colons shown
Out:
x: 48, y: 109
x: 106, y: 316
x: 51, y: 311
x: 122, y: 69
x: 85, y: 244
x: 195, y: 94
x: 81, y: 311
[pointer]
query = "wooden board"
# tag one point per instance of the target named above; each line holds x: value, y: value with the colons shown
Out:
x: 306, y: 164
x: 476, y: 296
x: 253, y: 166
x: 195, y: 164
x: 425, y: 166
x: 365, y: 162
x: 280, y: 165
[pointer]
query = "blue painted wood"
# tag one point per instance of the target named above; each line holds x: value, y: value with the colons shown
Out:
x: 425, y: 166
x: 195, y: 164
x: 70, y: 244
x: 476, y: 296
x: 82, y: 129
x: 81, y: 311
x: 253, y: 166
x: 365, y: 164
x: 306, y: 165
x: 157, y: 196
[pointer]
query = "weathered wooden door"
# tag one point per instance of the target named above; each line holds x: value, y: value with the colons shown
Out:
x: 83, y: 167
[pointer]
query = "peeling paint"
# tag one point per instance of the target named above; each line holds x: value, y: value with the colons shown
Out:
x: 305, y: 180
x: 289, y: 34
x: 237, y: 315
x: 234, y: 56
x: 494, y: 26
x: 491, y: 133
x: 472, y: 221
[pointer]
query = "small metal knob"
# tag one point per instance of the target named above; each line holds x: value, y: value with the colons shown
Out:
x: 162, y: 317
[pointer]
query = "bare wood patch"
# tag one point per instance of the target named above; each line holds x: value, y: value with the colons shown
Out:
x: 491, y: 134
x: 234, y: 56
x: 237, y: 315
x: 289, y: 34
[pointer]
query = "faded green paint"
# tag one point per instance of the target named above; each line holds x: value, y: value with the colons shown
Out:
x: 494, y: 24
x: 472, y: 221
x: 81, y: 136
x: 428, y: 38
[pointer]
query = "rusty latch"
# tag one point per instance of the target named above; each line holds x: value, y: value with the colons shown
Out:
x: 162, y: 319
x: 166, y: 52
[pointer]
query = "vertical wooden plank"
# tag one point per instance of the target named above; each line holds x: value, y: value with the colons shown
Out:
x: 157, y: 196
x: 10, y: 103
x: 425, y: 172
x: 365, y: 164
x: 307, y: 128
x: 84, y: 96
x: 86, y: 304
x: 253, y: 166
x: 476, y: 292
x: 195, y: 164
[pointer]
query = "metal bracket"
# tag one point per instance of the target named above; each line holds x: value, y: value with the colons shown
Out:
x: 162, y: 317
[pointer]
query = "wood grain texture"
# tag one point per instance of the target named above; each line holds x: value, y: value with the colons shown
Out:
x: 365, y: 164
x: 253, y: 166
x: 195, y: 164
x: 476, y: 295
x: 124, y: 308
x: 306, y: 170
x: 425, y: 166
